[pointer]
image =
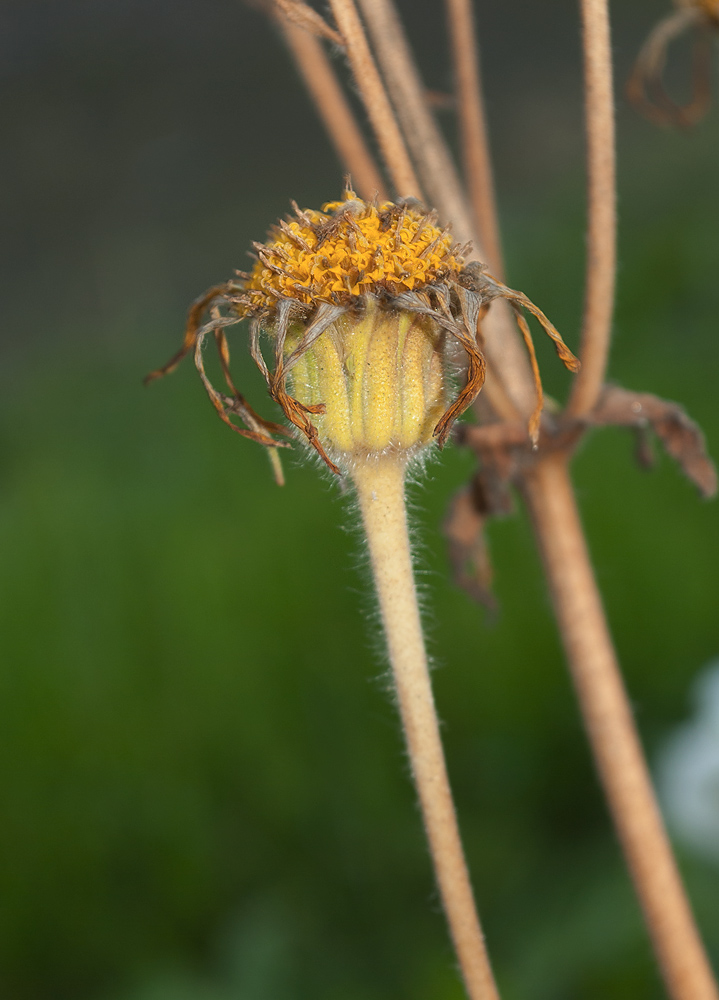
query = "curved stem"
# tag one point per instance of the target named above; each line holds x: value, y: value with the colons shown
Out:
x: 334, y: 109
x: 602, y: 215
x: 375, y: 99
x: 612, y: 733
x: 473, y: 129
x: 380, y: 491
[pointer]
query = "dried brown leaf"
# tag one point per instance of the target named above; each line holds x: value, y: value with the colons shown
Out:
x: 467, y: 547
x: 681, y: 436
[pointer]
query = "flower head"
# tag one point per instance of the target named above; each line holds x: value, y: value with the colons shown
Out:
x: 359, y: 302
x: 350, y: 249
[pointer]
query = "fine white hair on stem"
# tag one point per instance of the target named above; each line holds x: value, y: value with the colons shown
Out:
x: 380, y: 486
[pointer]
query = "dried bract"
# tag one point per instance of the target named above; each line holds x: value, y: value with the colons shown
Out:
x: 359, y: 303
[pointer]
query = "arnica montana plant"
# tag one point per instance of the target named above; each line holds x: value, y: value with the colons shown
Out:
x: 362, y: 303
x: 368, y: 312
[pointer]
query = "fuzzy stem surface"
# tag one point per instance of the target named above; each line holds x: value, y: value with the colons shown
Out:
x: 440, y: 180
x: 612, y: 733
x: 380, y: 492
x: 374, y: 98
x: 473, y: 128
x: 601, y: 210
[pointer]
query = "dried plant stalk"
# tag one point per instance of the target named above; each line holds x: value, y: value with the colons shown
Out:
x: 473, y: 129
x: 334, y: 109
x: 612, y: 733
x: 577, y: 602
x: 305, y: 17
x: 375, y: 99
x: 602, y: 221
x: 440, y: 181
x: 380, y: 491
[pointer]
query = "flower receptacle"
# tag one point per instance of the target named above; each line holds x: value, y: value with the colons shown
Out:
x: 379, y: 374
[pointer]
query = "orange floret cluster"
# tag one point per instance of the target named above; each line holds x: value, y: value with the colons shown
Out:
x: 350, y: 248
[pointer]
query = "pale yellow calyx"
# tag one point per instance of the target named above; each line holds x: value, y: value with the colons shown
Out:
x: 380, y: 377
x: 349, y: 249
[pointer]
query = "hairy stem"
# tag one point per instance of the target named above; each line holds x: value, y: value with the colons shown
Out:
x: 602, y: 216
x: 612, y: 733
x: 334, y: 110
x: 380, y: 491
x: 375, y: 99
x: 473, y: 129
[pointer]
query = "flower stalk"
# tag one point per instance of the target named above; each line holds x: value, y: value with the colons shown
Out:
x: 612, y: 733
x: 601, y: 209
x: 375, y: 98
x: 473, y: 129
x: 379, y: 484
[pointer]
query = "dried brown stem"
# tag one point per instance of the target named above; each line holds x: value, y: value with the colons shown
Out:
x: 436, y: 168
x: 375, y: 99
x: 334, y: 110
x: 305, y: 17
x: 473, y: 129
x: 577, y: 602
x: 602, y: 221
x: 612, y: 732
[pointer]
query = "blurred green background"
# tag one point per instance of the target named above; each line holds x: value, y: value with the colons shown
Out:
x: 203, y: 788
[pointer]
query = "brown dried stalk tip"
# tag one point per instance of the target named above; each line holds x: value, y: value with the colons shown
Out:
x: 645, y: 87
x: 358, y: 301
x: 305, y: 17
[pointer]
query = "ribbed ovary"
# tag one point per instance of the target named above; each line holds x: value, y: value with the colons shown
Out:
x: 380, y: 377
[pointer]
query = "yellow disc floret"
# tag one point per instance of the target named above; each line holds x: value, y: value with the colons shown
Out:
x: 351, y: 248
